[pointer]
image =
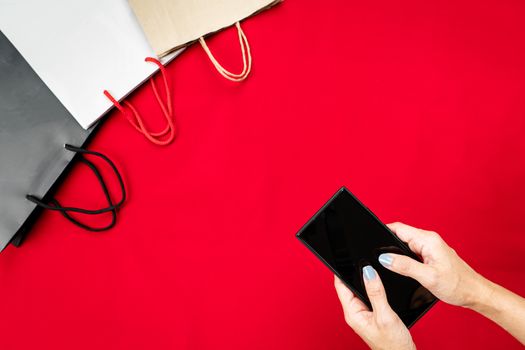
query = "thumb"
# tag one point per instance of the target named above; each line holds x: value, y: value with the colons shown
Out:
x: 407, y: 266
x: 376, y: 292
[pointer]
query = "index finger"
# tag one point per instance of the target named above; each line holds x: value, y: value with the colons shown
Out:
x: 413, y: 236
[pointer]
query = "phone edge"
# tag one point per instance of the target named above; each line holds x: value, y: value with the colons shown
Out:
x: 403, y: 244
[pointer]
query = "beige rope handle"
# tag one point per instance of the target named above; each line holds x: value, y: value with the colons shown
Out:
x: 246, y: 57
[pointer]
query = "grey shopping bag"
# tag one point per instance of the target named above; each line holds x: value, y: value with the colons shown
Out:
x: 38, y: 141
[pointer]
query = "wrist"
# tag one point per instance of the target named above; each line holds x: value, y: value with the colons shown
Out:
x: 410, y: 346
x: 482, y: 295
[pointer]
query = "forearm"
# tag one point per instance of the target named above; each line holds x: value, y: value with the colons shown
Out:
x: 503, y: 307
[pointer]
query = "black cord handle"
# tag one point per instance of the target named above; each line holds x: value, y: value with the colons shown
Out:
x: 108, y: 198
x: 56, y: 206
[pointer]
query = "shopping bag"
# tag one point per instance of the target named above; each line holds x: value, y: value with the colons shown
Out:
x: 39, y: 140
x: 173, y: 24
x: 81, y: 48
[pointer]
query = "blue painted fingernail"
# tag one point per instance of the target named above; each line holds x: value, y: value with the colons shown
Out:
x: 386, y: 260
x: 369, y: 273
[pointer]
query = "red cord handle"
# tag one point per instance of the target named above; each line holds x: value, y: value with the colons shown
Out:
x: 160, y: 138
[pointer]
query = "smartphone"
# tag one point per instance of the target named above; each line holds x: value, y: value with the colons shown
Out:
x: 346, y: 236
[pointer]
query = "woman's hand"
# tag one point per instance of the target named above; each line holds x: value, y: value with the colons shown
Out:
x: 442, y: 272
x: 450, y: 279
x: 380, y: 328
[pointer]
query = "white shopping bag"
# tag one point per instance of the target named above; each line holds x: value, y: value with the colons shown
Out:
x: 80, y: 48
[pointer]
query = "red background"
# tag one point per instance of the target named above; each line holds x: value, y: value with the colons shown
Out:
x: 417, y: 107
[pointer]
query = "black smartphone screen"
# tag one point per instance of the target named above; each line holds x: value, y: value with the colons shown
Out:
x: 347, y: 236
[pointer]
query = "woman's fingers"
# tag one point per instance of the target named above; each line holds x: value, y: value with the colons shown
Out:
x: 414, y: 237
x: 375, y: 291
x: 380, y: 328
x: 405, y: 232
x: 409, y: 267
x: 352, y: 306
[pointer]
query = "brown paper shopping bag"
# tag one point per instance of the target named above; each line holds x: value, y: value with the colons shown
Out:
x: 173, y: 24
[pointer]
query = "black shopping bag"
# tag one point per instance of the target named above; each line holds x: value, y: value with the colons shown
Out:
x: 39, y: 139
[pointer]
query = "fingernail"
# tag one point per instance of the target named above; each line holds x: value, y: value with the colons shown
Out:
x: 386, y: 260
x: 369, y: 273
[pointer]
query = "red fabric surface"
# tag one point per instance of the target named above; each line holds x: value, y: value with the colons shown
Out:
x: 417, y: 107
